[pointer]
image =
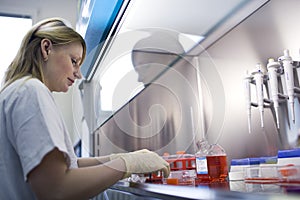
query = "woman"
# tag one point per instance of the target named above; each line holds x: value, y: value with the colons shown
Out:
x: 37, y: 158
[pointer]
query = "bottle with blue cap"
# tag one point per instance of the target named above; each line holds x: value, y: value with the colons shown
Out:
x: 288, y: 157
x: 237, y: 169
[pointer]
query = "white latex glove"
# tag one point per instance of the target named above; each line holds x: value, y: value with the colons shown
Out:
x: 119, y: 155
x: 144, y: 161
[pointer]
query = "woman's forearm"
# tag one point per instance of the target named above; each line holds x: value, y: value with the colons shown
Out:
x: 52, y: 179
x: 90, y: 181
x: 92, y: 161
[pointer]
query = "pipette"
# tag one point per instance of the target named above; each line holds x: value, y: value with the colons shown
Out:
x: 247, y: 81
x: 258, y: 76
x: 287, y: 63
x: 273, y: 68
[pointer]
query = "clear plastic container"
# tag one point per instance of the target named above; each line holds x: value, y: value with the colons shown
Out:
x: 181, y: 177
x: 261, y: 175
x: 289, y: 174
x: 181, y: 162
x: 262, y: 170
x: 183, y: 169
x: 237, y: 169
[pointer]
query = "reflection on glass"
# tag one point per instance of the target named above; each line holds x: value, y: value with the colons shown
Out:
x: 153, y: 54
x: 121, y: 70
x: 119, y: 84
x: 133, y: 64
x: 164, y: 117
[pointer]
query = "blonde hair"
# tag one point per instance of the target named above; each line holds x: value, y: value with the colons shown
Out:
x: 29, y: 59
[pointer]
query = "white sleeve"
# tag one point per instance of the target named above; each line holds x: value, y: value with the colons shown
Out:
x: 37, y: 125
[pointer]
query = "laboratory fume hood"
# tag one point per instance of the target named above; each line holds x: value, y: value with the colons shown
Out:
x: 198, y: 89
x: 166, y: 115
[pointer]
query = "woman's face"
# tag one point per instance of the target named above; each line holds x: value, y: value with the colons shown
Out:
x: 62, y: 66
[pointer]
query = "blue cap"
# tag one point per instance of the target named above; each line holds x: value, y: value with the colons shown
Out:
x: 289, y: 153
x: 254, y: 161
x: 268, y: 160
x: 244, y: 161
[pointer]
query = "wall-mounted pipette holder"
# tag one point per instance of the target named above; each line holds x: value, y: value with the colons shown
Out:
x: 276, y: 87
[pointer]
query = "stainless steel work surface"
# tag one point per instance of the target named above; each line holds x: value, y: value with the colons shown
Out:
x: 229, y: 190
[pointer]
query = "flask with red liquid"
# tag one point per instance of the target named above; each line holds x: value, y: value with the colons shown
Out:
x: 217, y: 164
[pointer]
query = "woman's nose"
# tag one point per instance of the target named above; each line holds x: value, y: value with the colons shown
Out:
x: 77, y: 74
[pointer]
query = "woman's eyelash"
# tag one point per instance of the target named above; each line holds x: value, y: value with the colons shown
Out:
x: 74, y: 61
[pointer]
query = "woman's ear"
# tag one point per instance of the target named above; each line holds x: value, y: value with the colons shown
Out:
x: 46, y: 46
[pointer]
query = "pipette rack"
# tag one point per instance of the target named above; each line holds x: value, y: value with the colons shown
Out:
x: 283, y: 96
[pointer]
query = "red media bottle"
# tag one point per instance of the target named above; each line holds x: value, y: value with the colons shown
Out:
x: 217, y: 164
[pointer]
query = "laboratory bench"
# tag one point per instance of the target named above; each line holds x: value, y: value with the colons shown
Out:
x: 228, y: 190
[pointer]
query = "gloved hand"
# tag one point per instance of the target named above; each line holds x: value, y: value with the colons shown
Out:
x: 119, y: 155
x: 144, y: 161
